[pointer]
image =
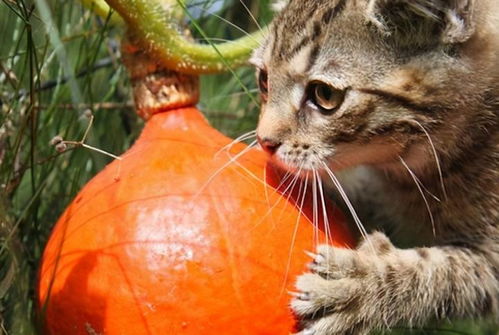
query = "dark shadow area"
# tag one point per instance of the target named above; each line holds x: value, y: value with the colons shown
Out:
x: 87, y: 308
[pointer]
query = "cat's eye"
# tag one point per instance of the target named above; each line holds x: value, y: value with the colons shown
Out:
x: 325, y: 97
x: 263, y: 84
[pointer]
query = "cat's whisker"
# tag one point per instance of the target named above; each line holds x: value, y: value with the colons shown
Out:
x: 419, y: 186
x: 426, y: 189
x: 437, y: 160
x: 233, y: 94
x: 264, y: 180
x: 251, y: 15
x: 302, y: 201
x: 324, y: 209
x: 249, y: 173
x: 303, y: 188
x: 283, y: 180
x: 243, y: 137
x: 327, y: 230
x: 226, y: 21
x: 213, y: 39
x: 295, y: 179
x: 223, y: 167
x: 315, y: 212
x: 290, y: 188
x: 283, y: 194
x: 347, y: 201
x: 266, y: 185
x: 293, y: 183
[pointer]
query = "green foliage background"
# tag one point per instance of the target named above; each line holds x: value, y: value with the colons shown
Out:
x: 51, y: 72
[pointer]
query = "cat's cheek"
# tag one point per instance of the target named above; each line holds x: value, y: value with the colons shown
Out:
x: 350, y: 155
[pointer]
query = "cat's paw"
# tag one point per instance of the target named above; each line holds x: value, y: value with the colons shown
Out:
x: 333, y: 298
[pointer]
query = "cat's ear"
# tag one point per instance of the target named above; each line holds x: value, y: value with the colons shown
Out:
x: 446, y: 21
x: 278, y: 5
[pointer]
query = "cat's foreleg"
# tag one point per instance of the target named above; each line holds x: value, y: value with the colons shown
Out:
x: 378, y: 286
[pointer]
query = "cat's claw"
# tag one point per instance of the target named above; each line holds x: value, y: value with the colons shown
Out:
x: 299, y: 295
x: 332, y: 298
x: 310, y: 254
x: 308, y: 331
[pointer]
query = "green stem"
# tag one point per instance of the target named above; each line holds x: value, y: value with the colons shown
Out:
x: 156, y: 29
x: 101, y: 8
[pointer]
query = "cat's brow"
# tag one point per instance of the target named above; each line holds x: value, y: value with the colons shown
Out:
x: 284, y: 49
x: 402, y: 100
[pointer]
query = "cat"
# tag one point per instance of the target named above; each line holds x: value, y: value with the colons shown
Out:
x: 400, y: 100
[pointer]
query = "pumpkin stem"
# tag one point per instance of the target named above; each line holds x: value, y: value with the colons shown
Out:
x: 154, y: 25
x: 156, y: 88
x: 101, y: 8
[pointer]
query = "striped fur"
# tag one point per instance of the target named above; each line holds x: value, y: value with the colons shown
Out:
x: 417, y: 145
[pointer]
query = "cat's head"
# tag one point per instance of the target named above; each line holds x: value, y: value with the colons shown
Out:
x: 351, y: 82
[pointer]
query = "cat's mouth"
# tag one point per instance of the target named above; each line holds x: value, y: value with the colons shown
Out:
x: 300, y: 160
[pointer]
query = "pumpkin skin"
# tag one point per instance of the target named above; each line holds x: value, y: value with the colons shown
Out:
x: 160, y: 243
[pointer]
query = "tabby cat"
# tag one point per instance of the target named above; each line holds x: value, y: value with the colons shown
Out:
x: 399, y: 99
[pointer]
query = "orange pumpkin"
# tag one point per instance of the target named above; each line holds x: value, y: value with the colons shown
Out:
x: 175, y: 239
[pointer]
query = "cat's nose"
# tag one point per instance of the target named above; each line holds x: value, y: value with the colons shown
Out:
x: 269, y: 145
